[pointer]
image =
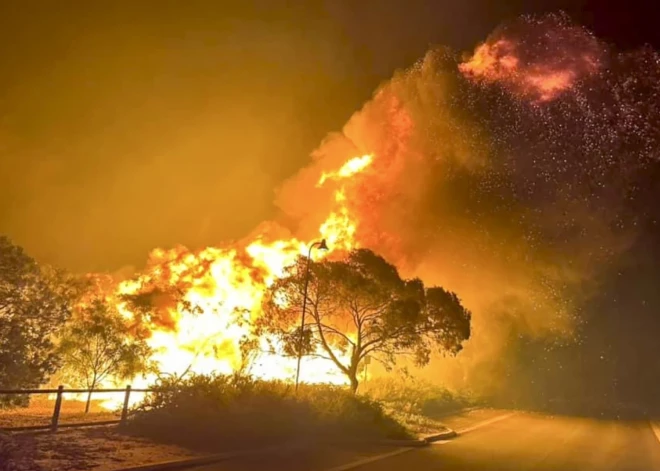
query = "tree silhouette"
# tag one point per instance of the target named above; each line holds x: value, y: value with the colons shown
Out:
x: 34, y: 304
x: 359, y: 307
x: 97, y: 344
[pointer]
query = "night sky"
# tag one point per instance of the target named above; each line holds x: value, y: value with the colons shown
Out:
x: 137, y: 125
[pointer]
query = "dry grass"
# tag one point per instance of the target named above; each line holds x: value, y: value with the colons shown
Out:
x: 40, y: 412
x: 416, y: 424
x: 416, y: 397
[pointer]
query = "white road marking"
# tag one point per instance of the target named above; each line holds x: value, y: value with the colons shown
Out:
x: 656, y: 429
x: 484, y: 423
x: 440, y: 442
x: 371, y: 459
x: 364, y: 461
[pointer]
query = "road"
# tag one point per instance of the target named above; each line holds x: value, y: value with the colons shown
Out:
x: 536, y: 442
x: 521, y: 441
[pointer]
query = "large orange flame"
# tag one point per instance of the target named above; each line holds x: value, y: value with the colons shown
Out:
x: 220, y: 292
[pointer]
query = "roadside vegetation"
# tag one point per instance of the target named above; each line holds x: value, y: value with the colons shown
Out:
x: 418, y: 405
x: 233, y: 412
x: 35, y: 303
x: 410, y: 396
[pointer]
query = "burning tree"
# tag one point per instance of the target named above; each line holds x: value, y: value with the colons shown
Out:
x: 359, y: 307
x: 97, y: 344
x: 34, y: 304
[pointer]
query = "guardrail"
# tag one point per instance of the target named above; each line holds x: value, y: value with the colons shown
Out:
x: 60, y: 391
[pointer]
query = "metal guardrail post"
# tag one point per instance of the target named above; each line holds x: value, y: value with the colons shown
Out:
x: 124, y: 411
x: 56, y: 412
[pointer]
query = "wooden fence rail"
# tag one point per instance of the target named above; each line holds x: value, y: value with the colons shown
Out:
x: 60, y: 391
x: 66, y: 391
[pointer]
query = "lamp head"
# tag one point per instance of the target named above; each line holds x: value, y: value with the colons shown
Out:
x: 323, y: 245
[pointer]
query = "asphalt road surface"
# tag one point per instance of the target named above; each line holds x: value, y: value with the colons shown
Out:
x: 521, y: 441
x: 536, y: 442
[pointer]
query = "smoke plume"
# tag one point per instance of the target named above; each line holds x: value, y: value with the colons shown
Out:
x: 538, y: 58
x: 505, y: 178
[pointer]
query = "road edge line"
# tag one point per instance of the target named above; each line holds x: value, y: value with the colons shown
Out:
x: 439, y: 441
x: 485, y: 423
x: 371, y: 459
x: 435, y: 437
x: 200, y: 460
x: 656, y: 429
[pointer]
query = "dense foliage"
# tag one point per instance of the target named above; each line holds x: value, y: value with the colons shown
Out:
x: 34, y: 304
x: 412, y: 396
x: 231, y: 412
x: 360, y: 307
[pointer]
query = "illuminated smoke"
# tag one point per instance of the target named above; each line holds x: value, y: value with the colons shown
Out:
x: 537, y: 58
x: 516, y: 201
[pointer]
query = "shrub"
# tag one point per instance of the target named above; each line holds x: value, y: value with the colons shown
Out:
x: 337, y: 410
x: 413, y: 396
x: 233, y: 412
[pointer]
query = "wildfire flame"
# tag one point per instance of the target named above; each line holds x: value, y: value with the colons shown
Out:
x: 339, y: 227
x: 221, y: 290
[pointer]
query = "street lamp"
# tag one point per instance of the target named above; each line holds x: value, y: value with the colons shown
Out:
x: 322, y: 246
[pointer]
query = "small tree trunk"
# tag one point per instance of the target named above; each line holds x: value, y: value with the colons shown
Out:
x: 354, y: 384
x: 353, y: 371
x: 89, y: 395
x: 352, y: 376
x: 89, y: 400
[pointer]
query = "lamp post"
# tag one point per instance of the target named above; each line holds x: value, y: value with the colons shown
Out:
x: 322, y: 246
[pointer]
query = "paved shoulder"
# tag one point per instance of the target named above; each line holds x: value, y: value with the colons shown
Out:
x: 472, y: 417
x: 315, y: 457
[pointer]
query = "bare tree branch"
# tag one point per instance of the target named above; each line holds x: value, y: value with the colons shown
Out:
x: 327, y: 347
